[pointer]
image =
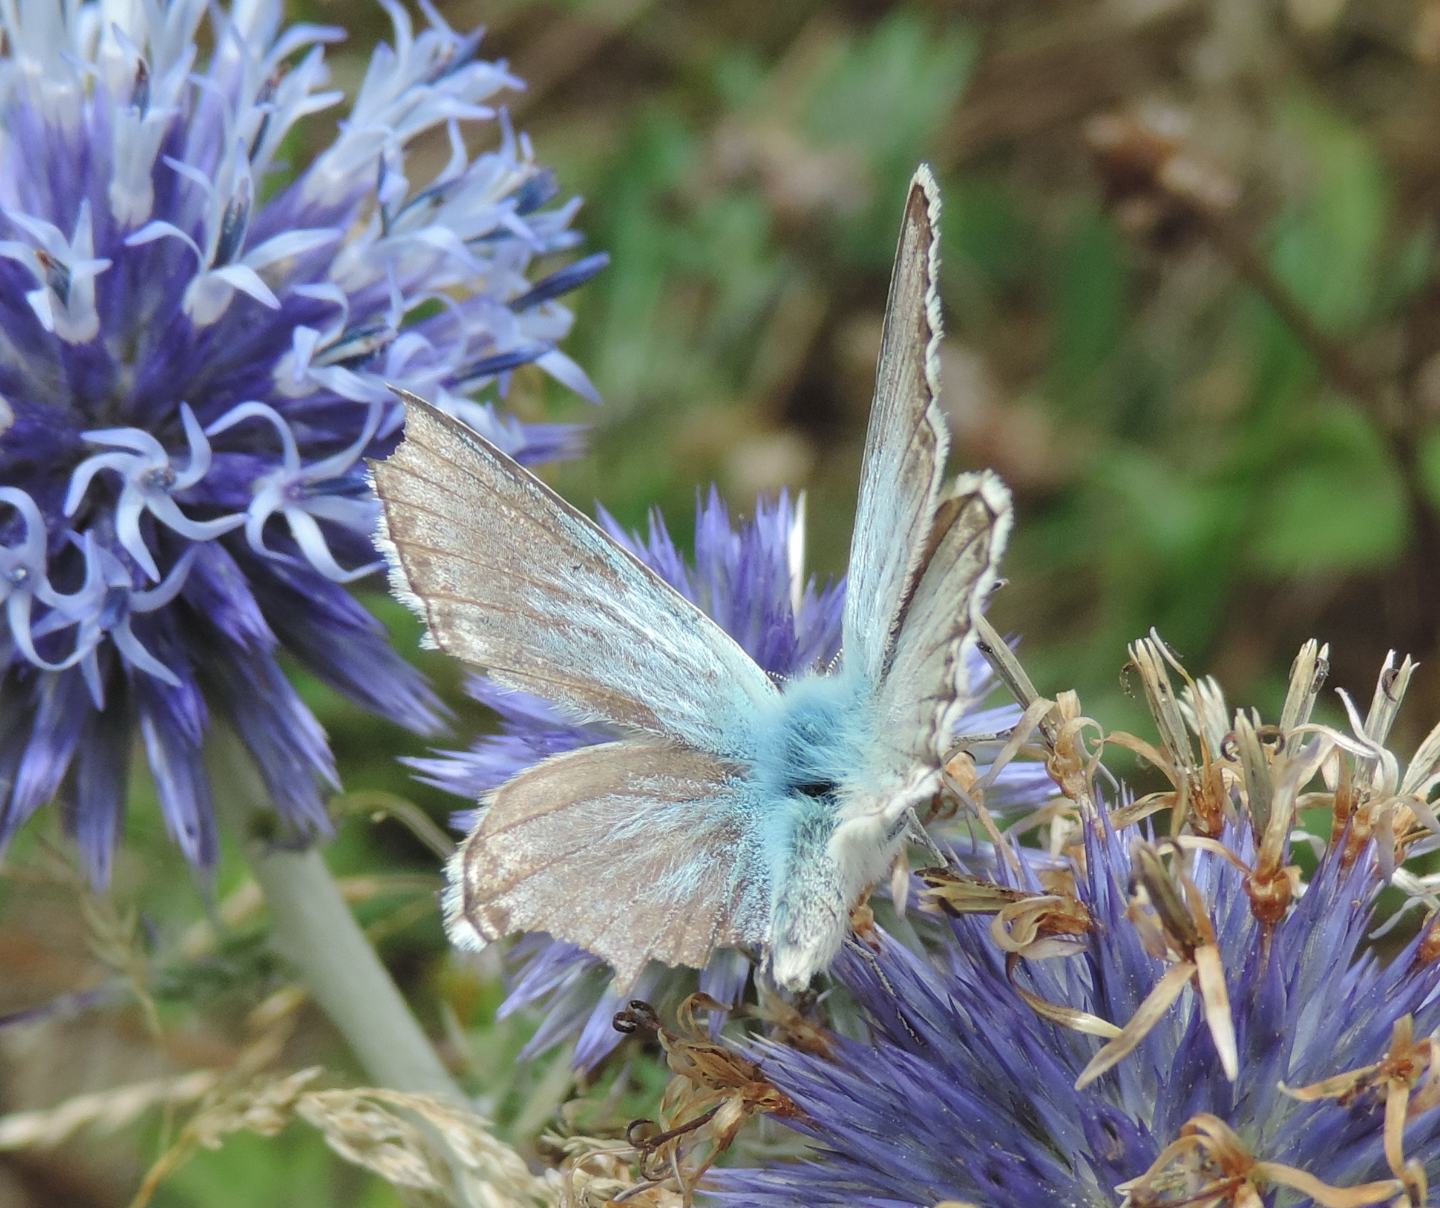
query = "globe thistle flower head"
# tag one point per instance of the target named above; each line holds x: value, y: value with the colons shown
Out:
x: 195, y: 346
x: 750, y: 577
x: 1171, y: 1020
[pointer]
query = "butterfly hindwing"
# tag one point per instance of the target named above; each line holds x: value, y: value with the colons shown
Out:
x: 926, y: 677
x: 511, y: 578
x: 904, y: 446
x: 634, y: 850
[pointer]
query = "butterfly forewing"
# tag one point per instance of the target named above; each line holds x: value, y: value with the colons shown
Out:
x: 634, y: 850
x: 511, y: 578
x: 904, y: 446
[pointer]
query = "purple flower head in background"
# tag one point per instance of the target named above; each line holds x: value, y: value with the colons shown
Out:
x: 750, y: 577
x: 195, y: 341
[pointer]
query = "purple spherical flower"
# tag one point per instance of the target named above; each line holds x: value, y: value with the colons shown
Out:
x: 1204, y: 1026
x: 195, y: 344
x: 963, y: 1093
x: 750, y: 577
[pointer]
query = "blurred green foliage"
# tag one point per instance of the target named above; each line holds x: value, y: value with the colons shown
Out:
x: 1221, y: 419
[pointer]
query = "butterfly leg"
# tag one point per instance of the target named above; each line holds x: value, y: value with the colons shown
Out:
x: 922, y: 837
x: 866, y: 953
x: 976, y: 805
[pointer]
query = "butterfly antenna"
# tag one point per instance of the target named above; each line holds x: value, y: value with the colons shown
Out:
x: 963, y: 744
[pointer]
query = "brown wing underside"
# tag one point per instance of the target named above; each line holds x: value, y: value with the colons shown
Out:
x: 904, y: 446
x: 926, y: 680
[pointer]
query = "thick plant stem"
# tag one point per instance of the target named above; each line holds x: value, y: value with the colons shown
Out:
x: 312, y: 927
x: 314, y: 930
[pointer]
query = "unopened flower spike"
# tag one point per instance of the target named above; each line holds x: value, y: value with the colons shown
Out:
x: 197, y: 363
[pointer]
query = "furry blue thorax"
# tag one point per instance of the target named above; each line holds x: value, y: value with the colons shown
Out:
x: 806, y: 744
x: 821, y: 847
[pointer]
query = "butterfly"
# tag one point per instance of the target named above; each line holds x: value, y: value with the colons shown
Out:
x: 730, y: 810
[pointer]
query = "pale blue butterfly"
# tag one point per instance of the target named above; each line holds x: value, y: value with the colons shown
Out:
x: 734, y: 811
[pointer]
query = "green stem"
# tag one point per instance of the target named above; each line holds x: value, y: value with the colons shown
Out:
x: 314, y: 930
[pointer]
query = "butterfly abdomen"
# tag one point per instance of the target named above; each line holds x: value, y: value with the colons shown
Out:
x: 809, y: 912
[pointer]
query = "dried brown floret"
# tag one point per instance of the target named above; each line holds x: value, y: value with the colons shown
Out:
x: 1169, y: 913
x: 715, y: 1090
x: 1406, y: 1079
x: 1029, y: 924
x: 1200, y: 793
x: 1026, y: 925
x: 1208, y: 1166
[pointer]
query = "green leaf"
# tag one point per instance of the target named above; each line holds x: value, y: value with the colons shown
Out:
x: 1335, y: 503
x: 1329, y: 249
x: 885, y: 101
x: 294, y: 1168
x: 896, y: 85
x: 984, y: 225
x: 1164, y: 512
x: 1429, y: 465
x: 1091, y: 284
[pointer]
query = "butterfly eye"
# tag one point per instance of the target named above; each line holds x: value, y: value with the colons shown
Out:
x: 818, y: 789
